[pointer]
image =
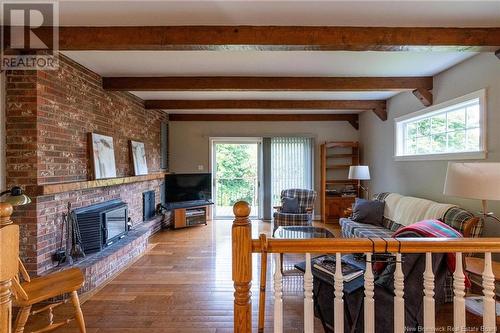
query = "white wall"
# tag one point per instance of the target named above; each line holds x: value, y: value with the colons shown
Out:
x: 426, y: 178
x: 189, y: 141
x: 3, y: 159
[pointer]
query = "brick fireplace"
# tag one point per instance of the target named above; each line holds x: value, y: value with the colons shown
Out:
x: 48, y: 117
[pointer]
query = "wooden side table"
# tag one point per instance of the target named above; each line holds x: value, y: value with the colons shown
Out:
x: 347, y: 212
x: 475, y: 266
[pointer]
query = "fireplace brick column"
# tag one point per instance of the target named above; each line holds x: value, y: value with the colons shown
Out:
x: 48, y: 117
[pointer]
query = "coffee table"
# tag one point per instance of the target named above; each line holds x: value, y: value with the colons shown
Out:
x: 302, y: 232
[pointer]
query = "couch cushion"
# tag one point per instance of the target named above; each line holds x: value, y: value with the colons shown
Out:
x: 407, y: 210
x: 391, y: 225
x: 368, y: 211
x: 351, y: 229
x: 451, y: 215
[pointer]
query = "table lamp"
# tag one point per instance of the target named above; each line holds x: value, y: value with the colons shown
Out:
x: 479, y: 181
x: 360, y: 172
x: 14, y: 197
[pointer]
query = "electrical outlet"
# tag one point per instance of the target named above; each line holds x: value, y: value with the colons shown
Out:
x: 200, y: 167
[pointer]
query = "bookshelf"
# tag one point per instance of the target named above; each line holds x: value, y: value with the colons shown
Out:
x: 337, y: 191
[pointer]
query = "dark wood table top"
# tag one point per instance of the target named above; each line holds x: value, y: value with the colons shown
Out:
x: 302, y: 232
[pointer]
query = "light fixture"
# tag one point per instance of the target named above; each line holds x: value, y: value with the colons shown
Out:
x: 479, y: 181
x: 16, y: 196
x: 360, y: 172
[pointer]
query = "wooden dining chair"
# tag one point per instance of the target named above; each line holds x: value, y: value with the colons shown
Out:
x: 41, y: 289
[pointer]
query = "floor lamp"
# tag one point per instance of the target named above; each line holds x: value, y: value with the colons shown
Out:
x: 480, y: 181
x: 360, y: 172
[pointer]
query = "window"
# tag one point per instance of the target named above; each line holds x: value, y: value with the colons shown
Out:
x: 450, y: 130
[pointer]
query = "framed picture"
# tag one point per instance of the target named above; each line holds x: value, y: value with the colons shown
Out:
x: 103, y: 156
x: 139, y: 158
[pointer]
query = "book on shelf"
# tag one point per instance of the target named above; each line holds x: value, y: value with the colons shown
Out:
x: 327, y: 265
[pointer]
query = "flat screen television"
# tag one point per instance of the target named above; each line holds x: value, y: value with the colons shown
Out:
x: 186, y: 187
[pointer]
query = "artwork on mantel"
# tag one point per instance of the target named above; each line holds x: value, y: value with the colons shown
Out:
x: 103, y: 156
x: 139, y: 158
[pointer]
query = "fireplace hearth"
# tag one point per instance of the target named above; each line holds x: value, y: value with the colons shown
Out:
x: 102, y: 224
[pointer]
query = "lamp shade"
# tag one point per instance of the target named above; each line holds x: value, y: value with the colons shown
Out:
x: 473, y: 180
x: 359, y: 172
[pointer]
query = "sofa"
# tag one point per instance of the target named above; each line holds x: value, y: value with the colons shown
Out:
x: 402, y: 210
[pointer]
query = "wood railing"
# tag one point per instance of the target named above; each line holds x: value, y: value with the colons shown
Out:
x: 9, y: 254
x: 243, y: 246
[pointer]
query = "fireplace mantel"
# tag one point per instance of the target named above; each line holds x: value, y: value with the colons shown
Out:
x: 49, y: 189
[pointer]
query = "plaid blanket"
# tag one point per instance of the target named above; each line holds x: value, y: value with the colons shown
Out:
x: 437, y: 229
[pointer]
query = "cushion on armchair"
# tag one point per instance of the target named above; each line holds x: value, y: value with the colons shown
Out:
x: 290, y: 205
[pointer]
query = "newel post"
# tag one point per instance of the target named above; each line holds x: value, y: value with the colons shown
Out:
x: 242, y: 267
x: 9, y: 252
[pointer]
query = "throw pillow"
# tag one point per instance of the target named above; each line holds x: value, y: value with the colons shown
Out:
x: 290, y: 205
x: 368, y: 211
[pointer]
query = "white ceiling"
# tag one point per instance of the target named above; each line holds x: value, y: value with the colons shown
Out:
x: 353, y: 13
x: 266, y: 63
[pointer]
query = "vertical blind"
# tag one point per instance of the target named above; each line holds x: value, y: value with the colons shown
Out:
x: 291, y: 165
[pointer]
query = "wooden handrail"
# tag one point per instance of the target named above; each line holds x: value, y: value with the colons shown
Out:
x: 9, y: 253
x: 242, y: 267
x: 379, y: 245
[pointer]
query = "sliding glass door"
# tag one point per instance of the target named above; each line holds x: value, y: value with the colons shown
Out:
x: 236, y: 174
x: 241, y: 165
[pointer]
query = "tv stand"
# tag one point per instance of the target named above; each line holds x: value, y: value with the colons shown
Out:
x: 191, y: 216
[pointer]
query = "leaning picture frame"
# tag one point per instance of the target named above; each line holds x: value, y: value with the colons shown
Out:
x: 138, y: 153
x: 103, y: 156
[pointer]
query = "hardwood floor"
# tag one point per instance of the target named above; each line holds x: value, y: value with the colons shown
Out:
x: 183, y: 285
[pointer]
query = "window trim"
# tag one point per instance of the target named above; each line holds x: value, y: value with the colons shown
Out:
x: 399, y: 121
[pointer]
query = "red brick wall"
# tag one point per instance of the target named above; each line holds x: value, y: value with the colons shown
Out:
x: 49, y: 115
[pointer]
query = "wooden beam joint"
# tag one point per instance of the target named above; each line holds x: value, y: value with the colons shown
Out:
x: 381, y: 112
x: 424, y: 95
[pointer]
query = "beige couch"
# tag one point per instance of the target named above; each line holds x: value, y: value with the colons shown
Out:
x: 401, y: 210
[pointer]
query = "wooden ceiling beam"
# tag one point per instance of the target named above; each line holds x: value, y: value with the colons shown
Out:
x: 266, y: 104
x: 262, y: 83
x: 264, y: 38
x: 424, y: 96
x: 351, y: 118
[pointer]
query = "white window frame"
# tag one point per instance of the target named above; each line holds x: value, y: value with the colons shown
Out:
x: 436, y: 109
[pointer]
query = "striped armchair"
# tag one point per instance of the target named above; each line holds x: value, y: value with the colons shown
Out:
x: 306, y: 200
